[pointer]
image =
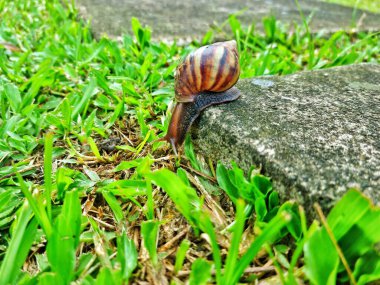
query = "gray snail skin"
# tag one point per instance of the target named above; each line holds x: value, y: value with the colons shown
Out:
x: 205, y: 77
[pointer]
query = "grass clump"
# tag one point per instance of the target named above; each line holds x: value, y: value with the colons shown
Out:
x: 369, y: 5
x: 87, y: 196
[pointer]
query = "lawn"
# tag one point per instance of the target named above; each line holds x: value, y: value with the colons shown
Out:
x: 88, y: 195
x: 369, y: 5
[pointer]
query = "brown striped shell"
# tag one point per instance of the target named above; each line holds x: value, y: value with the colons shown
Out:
x: 212, y: 68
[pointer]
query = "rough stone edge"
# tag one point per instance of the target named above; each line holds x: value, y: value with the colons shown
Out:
x: 288, y: 191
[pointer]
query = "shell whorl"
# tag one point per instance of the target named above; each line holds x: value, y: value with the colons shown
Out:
x: 213, y: 68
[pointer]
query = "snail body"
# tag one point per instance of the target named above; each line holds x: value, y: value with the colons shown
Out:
x: 204, y: 78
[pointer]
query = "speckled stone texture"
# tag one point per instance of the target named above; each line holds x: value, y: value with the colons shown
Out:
x: 190, y: 19
x: 315, y: 133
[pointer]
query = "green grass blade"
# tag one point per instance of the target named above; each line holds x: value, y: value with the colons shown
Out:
x: 149, y: 232
x: 150, y: 201
x: 268, y: 234
x: 200, y: 272
x: 48, y: 161
x: 37, y: 207
x: 88, y: 92
x: 19, y: 246
x: 207, y: 227
x: 13, y: 96
x: 49, y: 278
x: 62, y: 245
x: 114, y: 204
x: 66, y: 111
x: 94, y: 148
x: 126, y: 255
x: 181, y: 255
x: 183, y: 196
x: 321, y: 259
x: 233, y: 251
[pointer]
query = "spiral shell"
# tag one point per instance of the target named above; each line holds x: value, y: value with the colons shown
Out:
x: 212, y: 68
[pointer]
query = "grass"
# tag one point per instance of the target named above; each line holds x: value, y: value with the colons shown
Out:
x: 369, y: 5
x: 88, y: 196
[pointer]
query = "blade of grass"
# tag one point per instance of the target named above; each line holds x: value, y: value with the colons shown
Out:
x: 200, y: 272
x: 127, y: 255
x: 94, y: 149
x: 181, y: 255
x: 271, y: 231
x: 233, y: 251
x: 114, y: 204
x: 184, y: 197
x: 19, y: 246
x: 150, y: 201
x: 62, y: 244
x: 335, y: 243
x: 299, y: 249
x: 206, y: 226
x: 88, y: 92
x: 149, y: 232
x: 48, y: 161
x: 37, y: 207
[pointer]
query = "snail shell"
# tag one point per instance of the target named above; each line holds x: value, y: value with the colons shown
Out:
x: 213, y: 68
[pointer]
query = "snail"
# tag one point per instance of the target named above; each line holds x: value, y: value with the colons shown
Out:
x: 204, y: 78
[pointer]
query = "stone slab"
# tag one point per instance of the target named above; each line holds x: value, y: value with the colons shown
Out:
x: 315, y: 133
x: 185, y: 20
